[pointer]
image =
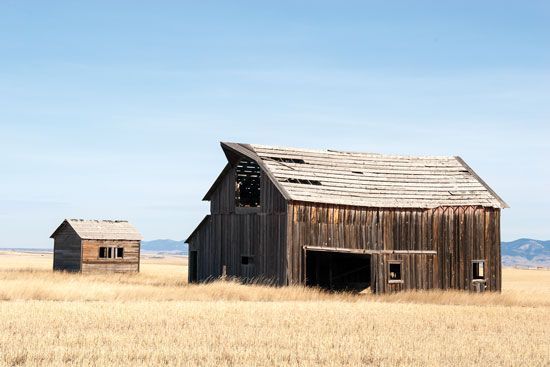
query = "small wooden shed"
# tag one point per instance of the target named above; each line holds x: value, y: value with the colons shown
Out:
x: 96, y: 245
x: 348, y: 220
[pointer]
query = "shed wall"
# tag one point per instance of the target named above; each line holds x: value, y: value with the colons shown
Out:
x: 92, y: 262
x: 66, y: 254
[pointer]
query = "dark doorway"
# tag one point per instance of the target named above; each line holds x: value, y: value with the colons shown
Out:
x: 192, y: 267
x: 338, y: 271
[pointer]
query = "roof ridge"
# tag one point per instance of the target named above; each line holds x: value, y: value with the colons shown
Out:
x: 98, y: 220
x: 336, y: 151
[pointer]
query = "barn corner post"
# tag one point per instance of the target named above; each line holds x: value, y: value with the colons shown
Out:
x: 350, y: 221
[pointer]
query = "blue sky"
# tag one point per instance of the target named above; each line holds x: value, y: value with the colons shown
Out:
x: 116, y: 110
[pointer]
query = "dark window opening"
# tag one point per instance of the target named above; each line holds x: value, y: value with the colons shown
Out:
x: 338, y: 271
x: 111, y: 252
x: 395, y: 275
x: 303, y: 181
x: 247, y: 185
x: 247, y: 260
x: 288, y: 160
x: 478, y: 269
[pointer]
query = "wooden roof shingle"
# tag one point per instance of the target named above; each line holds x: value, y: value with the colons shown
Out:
x: 102, y: 229
x: 370, y: 179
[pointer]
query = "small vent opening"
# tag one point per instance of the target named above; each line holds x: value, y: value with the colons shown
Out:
x: 247, y: 260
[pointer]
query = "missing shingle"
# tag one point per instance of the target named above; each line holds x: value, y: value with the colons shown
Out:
x: 303, y: 181
x: 288, y: 160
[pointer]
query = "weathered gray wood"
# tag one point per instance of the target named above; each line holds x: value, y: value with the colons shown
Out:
x: 342, y: 175
x: 363, y: 251
x: 452, y: 235
x: 432, y: 214
x: 77, y: 246
x: 67, y: 253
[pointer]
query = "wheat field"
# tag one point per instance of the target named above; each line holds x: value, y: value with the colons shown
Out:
x: 156, y: 318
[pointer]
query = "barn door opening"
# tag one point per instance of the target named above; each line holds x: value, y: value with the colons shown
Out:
x: 338, y: 271
x: 192, y: 267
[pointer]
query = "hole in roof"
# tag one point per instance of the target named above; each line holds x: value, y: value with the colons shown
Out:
x: 303, y: 181
x: 357, y: 172
x: 288, y: 160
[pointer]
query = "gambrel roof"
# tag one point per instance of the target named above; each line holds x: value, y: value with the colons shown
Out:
x: 102, y: 229
x: 366, y: 179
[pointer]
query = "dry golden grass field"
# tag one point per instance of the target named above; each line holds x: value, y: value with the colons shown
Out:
x: 156, y: 318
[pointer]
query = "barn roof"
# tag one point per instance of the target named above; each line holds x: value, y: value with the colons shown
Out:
x: 367, y: 179
x: 102, y: 229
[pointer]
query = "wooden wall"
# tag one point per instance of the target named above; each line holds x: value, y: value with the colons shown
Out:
x: 275, y: 235
x: 418, y: 272
x: 233, y: 232
x: 66, y: 254
x: 458, y: 235
x: 92, y: 262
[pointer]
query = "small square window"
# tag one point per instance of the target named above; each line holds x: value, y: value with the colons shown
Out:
x: 103, y: 252
x: 395, y: 272
x: 247, y: 260
x: 478, y: 269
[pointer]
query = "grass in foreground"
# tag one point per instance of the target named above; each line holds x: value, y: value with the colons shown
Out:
x: 155, y: 318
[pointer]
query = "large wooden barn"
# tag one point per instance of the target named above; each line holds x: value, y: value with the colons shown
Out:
x: 346, y: 220
x: 96, y: 245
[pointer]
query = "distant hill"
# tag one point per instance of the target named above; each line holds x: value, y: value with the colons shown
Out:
x: 526, y: 252
x: 176, y: 247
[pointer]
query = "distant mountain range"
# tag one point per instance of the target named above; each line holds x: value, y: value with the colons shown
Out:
x: 524, y: 252
x: 167, y: 246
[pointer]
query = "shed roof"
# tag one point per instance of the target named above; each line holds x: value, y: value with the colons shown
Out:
x: 368, y: 179
x: 102, y: 229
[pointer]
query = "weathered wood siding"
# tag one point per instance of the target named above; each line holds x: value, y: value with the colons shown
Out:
x: 233, y: 232
x: 66, y: 254
x: 458, y: 235
x: 92, y: 262
x: 222, y: 200
x: 417, y: 272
